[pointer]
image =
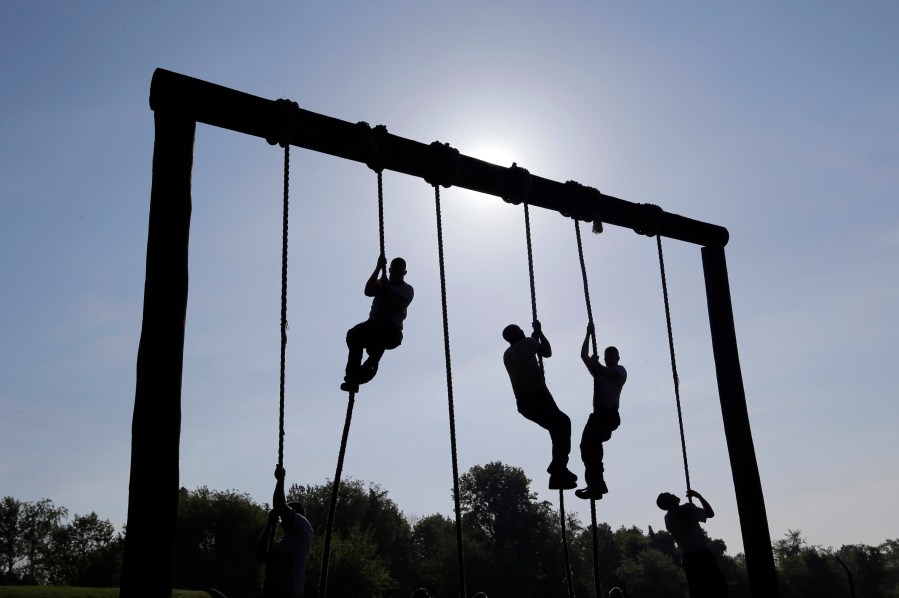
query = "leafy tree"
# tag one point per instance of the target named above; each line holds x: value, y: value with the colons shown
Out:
x: 86, y: 552
x: 607, y: 556
x: 366, y: 513
x: 215, y: 541
x: 516, y: 540
x: 650, y: 573
x: 435, y: 551
x: 355, y: 567
x: 37, y: 522
x: 12, y: 555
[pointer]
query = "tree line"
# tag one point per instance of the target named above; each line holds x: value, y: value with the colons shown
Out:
x: 512, y: 543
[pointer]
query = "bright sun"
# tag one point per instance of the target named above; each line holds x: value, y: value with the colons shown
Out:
x: 494, y: 153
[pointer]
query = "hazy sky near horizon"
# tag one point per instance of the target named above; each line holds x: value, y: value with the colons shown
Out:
x: 779, y: 122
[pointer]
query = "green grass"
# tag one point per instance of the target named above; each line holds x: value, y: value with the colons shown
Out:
x: 67, y: 592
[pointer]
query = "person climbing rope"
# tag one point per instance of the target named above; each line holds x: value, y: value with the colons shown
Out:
x: 285, y: 560
x: 535, y: 401
x: 384, y: 328
x: 608, y: 381
x: 704, y: 579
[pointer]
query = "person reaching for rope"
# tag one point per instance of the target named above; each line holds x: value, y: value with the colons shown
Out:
x: 285, y: 561
x: 704, y: 579
x: 608, y: 381
x: 535, y: 401
x: 383, y: 329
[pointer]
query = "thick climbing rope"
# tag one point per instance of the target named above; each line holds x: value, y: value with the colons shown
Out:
x: 527, y: 230
x: 449, y: 393
x: 595, y: 548
x: 332, y: 507
x: 580, y: 252
x: 381, y: 220
x: 680, y: 417
x: 376, y: 163
x: 284, y: 227
x: 283, y: 120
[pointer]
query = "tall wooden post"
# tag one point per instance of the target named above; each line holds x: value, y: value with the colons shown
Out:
x: 744, y: 468
x: 156, y: 424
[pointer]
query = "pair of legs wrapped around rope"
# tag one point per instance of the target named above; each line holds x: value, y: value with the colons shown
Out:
x: 600, y: 425
x: 374, y: 337
x: 540, y: 407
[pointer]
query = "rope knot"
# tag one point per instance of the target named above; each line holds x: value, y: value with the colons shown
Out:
x: 374, y: 145
x: 650, y: 216
x: 444, y: 162
x: 518, y: 184
x: 582, y: 203
x: 281, y: 122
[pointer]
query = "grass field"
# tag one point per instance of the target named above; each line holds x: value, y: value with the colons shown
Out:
x: 67, y: 592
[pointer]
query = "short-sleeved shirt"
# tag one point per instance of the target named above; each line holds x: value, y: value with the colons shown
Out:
x: 682, y: 522
x: 285, y: 568
x: 390, y: 303
x: 607, y: 393
x: 520, y: 360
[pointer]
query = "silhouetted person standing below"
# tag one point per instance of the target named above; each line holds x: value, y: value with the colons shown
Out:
x: 682, y: 521
x: 384, y: 328
x: 535, y: 401
x: 285, y: 561
x: 608, y: 380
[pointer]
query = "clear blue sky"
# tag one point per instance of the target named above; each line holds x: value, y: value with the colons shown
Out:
x: 779, y: 122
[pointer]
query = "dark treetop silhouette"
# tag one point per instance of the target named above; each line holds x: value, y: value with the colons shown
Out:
x: 285, y: 560
x: 608, y: 380
x: 383, y: 329
x: 534, y: 399
x: 682, y: 521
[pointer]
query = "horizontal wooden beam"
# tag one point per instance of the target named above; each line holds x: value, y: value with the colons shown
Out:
x: 277, y: 120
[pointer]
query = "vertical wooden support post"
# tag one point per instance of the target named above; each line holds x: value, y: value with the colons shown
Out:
x: 745, y: 470
x: 156, y: 424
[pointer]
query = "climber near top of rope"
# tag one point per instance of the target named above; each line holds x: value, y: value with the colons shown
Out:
x: 608, y: 381
x: 534, y: 400
x: 383, y: 330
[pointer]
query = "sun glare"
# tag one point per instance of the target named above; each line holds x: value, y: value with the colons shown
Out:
x: 494, y: 153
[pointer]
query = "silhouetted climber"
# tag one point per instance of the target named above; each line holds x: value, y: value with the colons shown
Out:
x: 608, y: 381
x: 383, y: 329
x: 534, y: 399
x: 682, y: 522
x: 285, y: 560
x: 616, y: 593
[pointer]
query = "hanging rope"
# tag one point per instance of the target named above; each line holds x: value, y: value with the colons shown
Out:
x: 284, y: 227
x: 381, y: 221
x: 449, y: 393
x: 580, y: 252
x: 595, y: 548
x: 332, y: 508
x: 283, y: 118
x: 527, y: 231
x: 565, y: 544
x: 680, y: 418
